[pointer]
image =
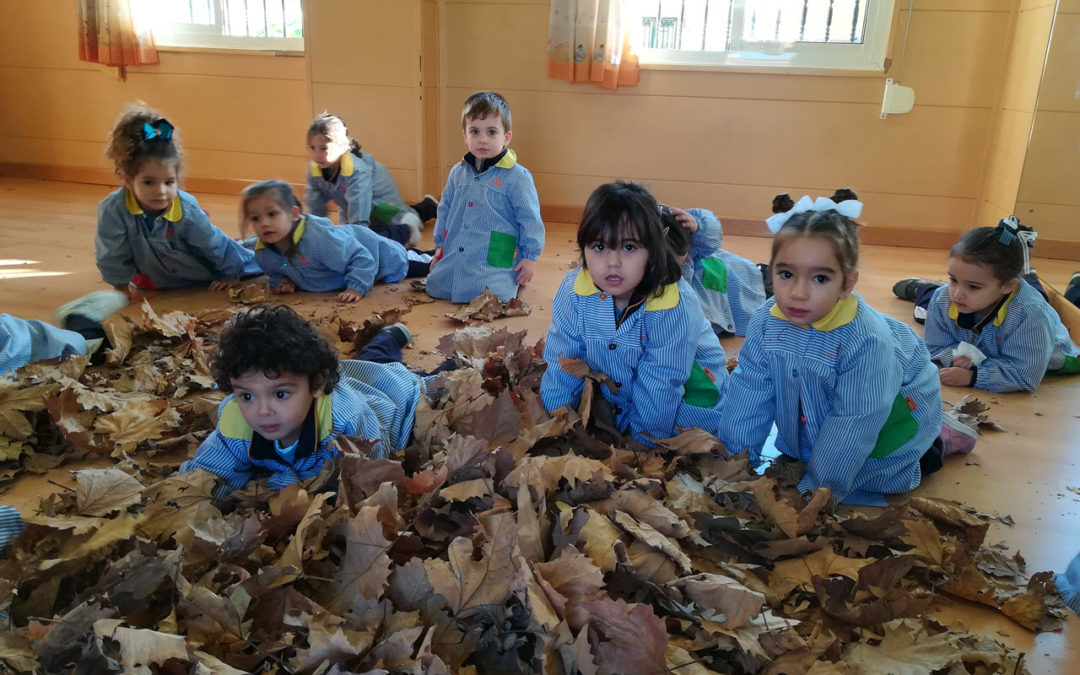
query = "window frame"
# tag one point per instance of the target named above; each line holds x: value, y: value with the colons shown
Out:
x: 867, y: 57
x: 211, y: 36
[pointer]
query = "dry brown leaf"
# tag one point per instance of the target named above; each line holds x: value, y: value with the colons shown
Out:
x: 925, y: 538
x: 467, y: 581
x: 632, y: 638
x: 906, y: 649
x: 648, y: 535
x: 142, y: 421
x: 788, y: 575
x: 723, y: 594
x: 103, y: 491
x: 365, y: 569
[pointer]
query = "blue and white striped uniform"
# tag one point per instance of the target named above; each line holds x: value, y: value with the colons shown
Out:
x: 391, y: 258
x: 11, y: 525
x: 669, y: 365
x: 854, y: 396
x: 1023, y: 342
x: 327, y: 258
x: 178, y: 248
x: 374, y: 401
x: 488, y: 221
x: 24, y: 341
x: 729, y: 287
x: 361, y: 183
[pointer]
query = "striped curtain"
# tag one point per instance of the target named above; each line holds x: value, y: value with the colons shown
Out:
x: 590, y: 41
x: 108, y: 35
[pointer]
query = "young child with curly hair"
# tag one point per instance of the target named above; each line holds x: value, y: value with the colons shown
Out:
x: 289, y: 396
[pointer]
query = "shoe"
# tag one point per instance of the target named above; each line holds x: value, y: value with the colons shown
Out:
x: 416, y: 226
x: 1072, y: 291
x: 957, y: 438
x: 96, y: 307
x: 400, y: 333
x: 908, y: 289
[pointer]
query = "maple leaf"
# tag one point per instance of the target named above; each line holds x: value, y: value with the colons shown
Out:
x: 788, y: 575
x: 365, y: 569
x: 648, y: 510
x: 142, y: 421
x: 424, y: 482
x: 173, y: 324
x: 14, y: 400
x: 632, y: 638
x: 693, y: 442
x: 496, y: 422
x: 469, y: 581
x: 648, y: 535
x: 573, y: 575
x: 533, y: 524
x: 118, y: 330
x: 905, y: 649
x: 925, y: 539
x: 948, y: 513
x: 103, y: 491
x: 723, y: 594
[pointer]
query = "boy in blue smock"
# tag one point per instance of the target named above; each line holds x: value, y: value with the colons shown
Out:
x: 289, y: 396
x: 488, y: 232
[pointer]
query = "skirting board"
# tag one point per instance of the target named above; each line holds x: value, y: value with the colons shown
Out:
x: 871, y: 234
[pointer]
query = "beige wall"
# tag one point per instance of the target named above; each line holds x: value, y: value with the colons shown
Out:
x: 398, y: 72
x: 1016, y: 108
x: 1049, y: 193
x: 239, y: 116
x: 729, y: 141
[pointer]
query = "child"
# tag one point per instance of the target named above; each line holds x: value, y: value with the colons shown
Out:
x: 310, y: 253
x: 729, y: 287
x: 852, y: 391
x: 627, y: 313
x: 489, y: 232
x: 25, y: 341
x: 150, y: 234
x: 989, y: 330
x: 363, y: 189
x: 289, y: 397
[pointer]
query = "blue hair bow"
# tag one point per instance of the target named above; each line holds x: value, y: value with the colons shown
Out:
x: 849, y: 208
x: 159, y: 129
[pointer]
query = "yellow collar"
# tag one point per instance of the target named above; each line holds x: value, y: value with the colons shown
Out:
x: 233, y: 425
x: 508, y: 160
x: 954, y: 313
x: 172, y: 214
x: 584, y: 286
x: 298, y: 232
x: 842, y: 313
x: 347, y: 166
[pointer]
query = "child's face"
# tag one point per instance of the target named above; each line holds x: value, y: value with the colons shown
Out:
x: 154, y: 185
x: 808, y: 279
x: 973, y: 287
x: 619, y: 269
x: 486, y: 136
x: 275, y: 408
x: 324, y: 152
x: 271, y: 222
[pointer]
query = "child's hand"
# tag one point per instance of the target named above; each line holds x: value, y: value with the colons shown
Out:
x: 223, y: 284
x: 140, y: 294
x: 962, y: 362
x: 524, y: 271
x: 349, y: 295
x: 435, y: 258
x: 955, y: 377
x: 285, y: 286
x: 684, y: 218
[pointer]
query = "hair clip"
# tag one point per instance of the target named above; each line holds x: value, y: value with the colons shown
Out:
x: 159, y: 129
x: 849, y: 208
x: 1009, y: 229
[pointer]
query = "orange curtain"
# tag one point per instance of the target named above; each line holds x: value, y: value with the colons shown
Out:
x: 590, y: 41
x: 108, y: 35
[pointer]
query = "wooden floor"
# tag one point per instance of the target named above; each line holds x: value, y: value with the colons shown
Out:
x: 47, y: 258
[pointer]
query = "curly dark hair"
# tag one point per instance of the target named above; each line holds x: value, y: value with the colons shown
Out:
x: 620, y: 209
x: 272, y: 341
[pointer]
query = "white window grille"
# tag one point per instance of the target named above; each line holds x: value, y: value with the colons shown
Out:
x: 843, y: 34
x: 276, y: 25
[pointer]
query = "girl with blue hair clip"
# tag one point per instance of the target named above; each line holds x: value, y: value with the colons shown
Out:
x: 150, y: 234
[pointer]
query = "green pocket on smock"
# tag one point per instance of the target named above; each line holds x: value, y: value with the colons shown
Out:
x: 501, y: 247
x: 700, y: 390
x: 900, y: 427
x: 714, y: 274
x: 384, y: 213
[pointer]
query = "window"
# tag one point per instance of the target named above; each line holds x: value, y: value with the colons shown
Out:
x: 835, y: 34
x: 276, y: 25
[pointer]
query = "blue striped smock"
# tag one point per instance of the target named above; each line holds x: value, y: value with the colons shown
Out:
x: 487, y: 222
x: 11, y: 525
x: 327, y: 258
x: 842, y: 377
x: 374, y: 401
x: 729, y: 286
x: 361, y: 183
x: 24, y: 341
x: 180, y: 247
x: 1024, y: 341
x: 652, y: 355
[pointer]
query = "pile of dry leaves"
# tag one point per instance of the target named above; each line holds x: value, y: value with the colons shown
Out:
x: 502, y: 541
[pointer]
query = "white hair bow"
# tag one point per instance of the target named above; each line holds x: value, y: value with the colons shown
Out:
x: 1010, y: 227
x: 849, y: 208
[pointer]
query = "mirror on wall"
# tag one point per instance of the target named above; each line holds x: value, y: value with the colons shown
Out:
x: 1049, y: 195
